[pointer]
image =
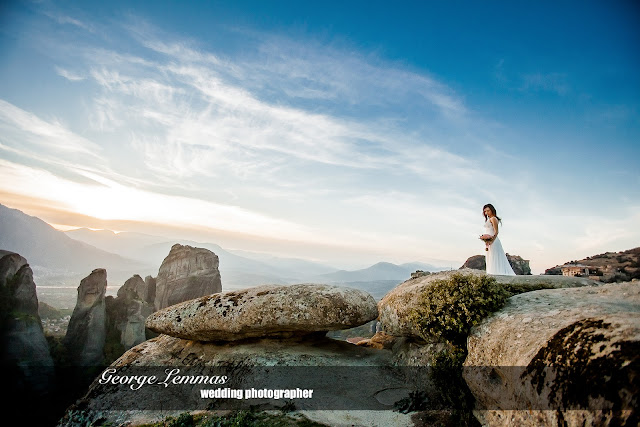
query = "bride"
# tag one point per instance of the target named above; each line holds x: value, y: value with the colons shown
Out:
x: 497, y: 262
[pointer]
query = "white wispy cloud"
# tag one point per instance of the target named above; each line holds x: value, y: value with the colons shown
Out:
x: 23, y: 128
x: 206, y: 116
x: 65, y: 19
x: 71, y: 76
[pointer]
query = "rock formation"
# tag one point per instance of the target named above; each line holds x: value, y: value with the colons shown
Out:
x: 396, y: 307
x: 186, y: 273
x: 264, y: 311
x: 550, y: 355
x: 126, y: 314
x: 478, y: 262
x: 86, y: 333
x: 23, y: 344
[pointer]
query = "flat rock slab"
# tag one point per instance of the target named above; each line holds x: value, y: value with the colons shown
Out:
x: 266, y: 311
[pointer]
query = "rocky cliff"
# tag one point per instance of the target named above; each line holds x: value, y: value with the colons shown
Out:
x: 87, y: 329
x: 27, y: 365
x: 186, y: 273
x: 126, y: 314
x: 609, y: 266
x: 23, y: 341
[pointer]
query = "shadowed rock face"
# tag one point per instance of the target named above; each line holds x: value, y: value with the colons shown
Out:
x: 187, y: 273
x: 575, y: 349
x: 266, y: 311
x: 86, y: 333
x: 22, y: 341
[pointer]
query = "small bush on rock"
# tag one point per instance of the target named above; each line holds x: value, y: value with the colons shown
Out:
x: 453, y: 305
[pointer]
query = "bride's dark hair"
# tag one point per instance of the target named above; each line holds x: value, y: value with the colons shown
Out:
x: 493, y: 211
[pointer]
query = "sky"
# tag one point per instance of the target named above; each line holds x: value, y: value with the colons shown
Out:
x: 341, y: 132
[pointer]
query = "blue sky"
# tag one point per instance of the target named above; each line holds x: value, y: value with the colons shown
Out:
x: 344, y: 132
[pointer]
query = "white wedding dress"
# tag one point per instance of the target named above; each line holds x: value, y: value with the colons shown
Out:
x: 497, y: 262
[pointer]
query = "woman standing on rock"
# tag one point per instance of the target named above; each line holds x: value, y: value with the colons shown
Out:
x: 497, y: 262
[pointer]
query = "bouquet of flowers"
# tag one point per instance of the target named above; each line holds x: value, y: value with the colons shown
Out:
x: 486, y: 238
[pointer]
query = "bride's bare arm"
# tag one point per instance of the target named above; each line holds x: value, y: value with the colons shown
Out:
x: 494, y: 222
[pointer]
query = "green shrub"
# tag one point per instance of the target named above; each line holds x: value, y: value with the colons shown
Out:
x: 453, y: 305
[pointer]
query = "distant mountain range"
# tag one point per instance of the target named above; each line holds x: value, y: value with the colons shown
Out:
x: 53, y: 254
x: 243, y: 268
x: 379, y: 271
x: 63, y: 258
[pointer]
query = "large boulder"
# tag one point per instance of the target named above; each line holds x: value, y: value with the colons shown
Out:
x: 186, y: 273
x: 86, y: 332
x: 559, y: 357
x: 268, y: 310
x: 395, y: 307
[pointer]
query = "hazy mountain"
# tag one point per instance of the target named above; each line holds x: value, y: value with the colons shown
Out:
x: 51, y: 253
x: 237, y: 271
x: 290, y: 264
x: 379, y: 271
x: 126, y: 244
x: 245, y: 268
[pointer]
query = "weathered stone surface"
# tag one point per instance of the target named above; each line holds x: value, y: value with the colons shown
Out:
x: 256, y: 364
x: 186, y: 273
x: 559, y: 348
x: 519, y: 265
x: 269, y: 310
x: 86, y: 333
x: 395, y: 307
